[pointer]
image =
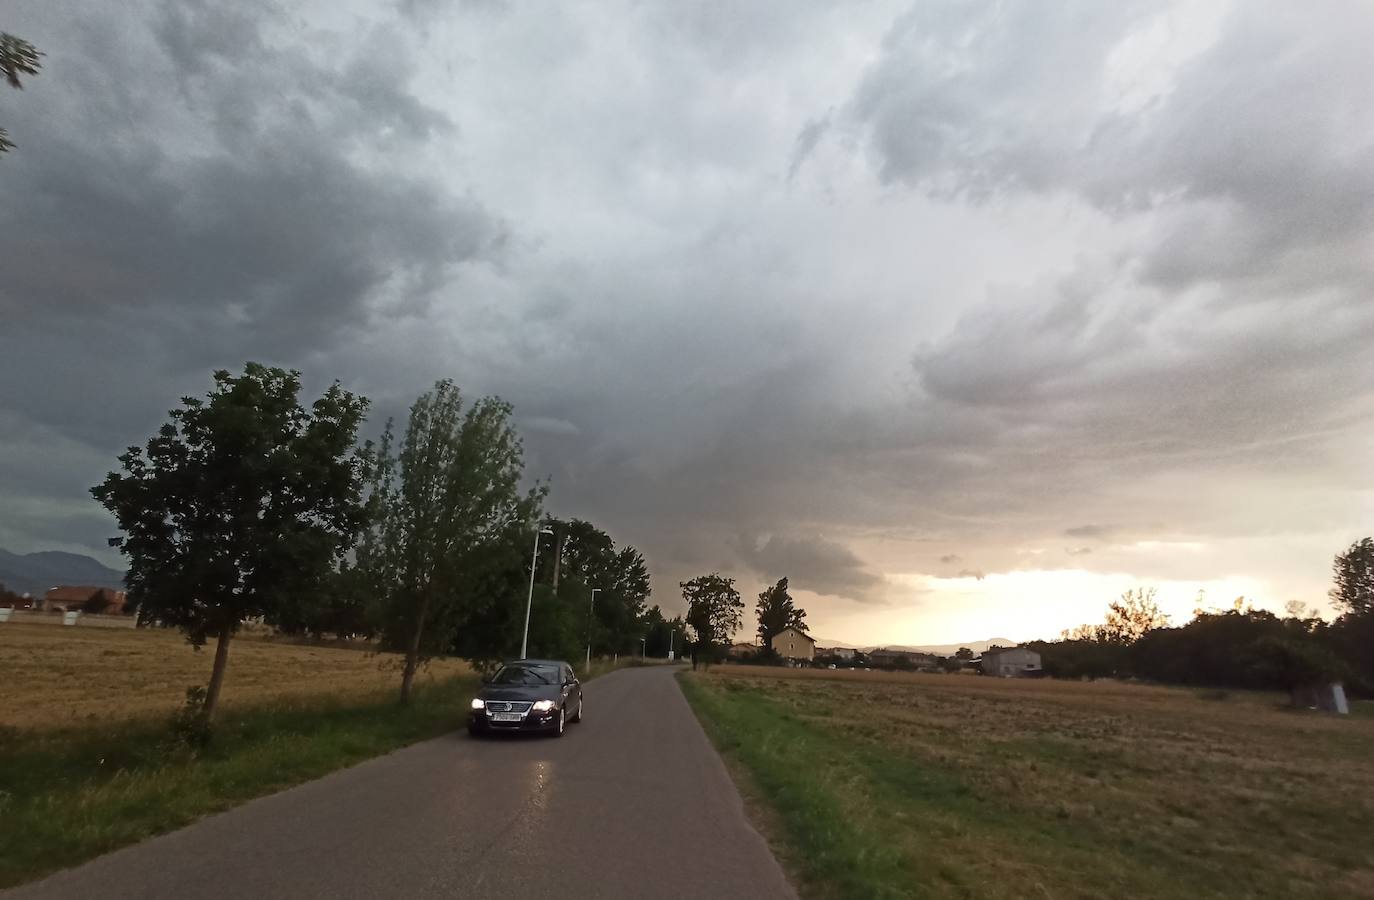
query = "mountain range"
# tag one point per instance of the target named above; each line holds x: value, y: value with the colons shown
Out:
x: 35, y: 573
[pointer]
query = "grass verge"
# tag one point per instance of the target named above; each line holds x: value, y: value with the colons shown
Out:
x: 943, y: 787
x: 69, y: 795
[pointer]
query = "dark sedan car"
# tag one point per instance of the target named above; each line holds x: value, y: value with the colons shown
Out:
x: 527, y: 695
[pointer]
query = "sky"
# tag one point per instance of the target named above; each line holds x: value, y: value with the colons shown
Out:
x: 966, y: 317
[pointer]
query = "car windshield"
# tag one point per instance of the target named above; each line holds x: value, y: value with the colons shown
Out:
x: 525, y: 675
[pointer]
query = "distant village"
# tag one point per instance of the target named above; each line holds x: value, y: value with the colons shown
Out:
x: 799, y: 650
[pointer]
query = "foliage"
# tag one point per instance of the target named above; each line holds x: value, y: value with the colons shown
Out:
x: 1128, y: 619
x: 449, y: 496
x: 1353, y: 573
x: 95, y: 603
x: 714, y: 612
x: 776, y: 611
x: 190, y: 726
x: 664, y: 634
x: 238, y: 501
x: 10, y: 598
x: 588, y: 558
x: 17, y: 57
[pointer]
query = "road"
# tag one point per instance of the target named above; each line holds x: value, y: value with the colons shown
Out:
x: 632, y: 802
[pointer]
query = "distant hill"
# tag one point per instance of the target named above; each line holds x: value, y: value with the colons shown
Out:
x: 34, y: 573
x: 938, y: 649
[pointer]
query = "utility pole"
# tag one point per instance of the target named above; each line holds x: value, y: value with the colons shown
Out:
x: 529, y: 601
x: 590, y: 604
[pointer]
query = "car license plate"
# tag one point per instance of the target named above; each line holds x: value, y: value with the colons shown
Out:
x: 506, y: 717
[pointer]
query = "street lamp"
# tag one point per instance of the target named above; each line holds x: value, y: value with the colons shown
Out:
x: 672, y: 633
x: 590, y: 603
x: 642, y: 647
x: 529, y: 601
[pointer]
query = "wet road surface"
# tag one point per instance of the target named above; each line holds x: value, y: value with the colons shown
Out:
x: 632, y: 802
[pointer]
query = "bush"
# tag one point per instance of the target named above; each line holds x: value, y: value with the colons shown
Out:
x: 190, y: 727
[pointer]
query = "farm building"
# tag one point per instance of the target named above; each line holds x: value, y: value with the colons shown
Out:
x: 103, y: 601
x: 845, y: 653
x: 793, y: 645
x: 1010, y: 662
x: 913, y: 658
x: 739, y: 651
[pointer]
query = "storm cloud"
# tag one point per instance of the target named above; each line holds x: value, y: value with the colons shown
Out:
x: 856, y: 295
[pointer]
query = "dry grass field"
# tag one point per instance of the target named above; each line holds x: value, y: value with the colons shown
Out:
x: 904, y: 785
x: 56, y: 677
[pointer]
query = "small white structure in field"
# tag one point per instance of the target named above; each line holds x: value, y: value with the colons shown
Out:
x: 1326, y: 697
x: 5, y: 613
x: 70, y: 617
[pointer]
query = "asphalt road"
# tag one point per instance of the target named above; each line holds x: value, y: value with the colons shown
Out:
x: 632, y: 802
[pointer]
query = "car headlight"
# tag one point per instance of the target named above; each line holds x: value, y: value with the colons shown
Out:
x: 543, y: 705
x: 478, y: 704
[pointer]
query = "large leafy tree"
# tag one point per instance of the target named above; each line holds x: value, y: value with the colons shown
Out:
x: 1353, y: 572
x: 588, y: 558
x: 17, y: 57
x: 714, y: 611
x: 775, y: 611
x: 239, y: 501
x: 448, y: 495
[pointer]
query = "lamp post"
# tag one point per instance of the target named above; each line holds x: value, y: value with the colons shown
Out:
x: 672, y: 633
x: 529, y: 601
x: 642, y: 647
x: 590, y: 603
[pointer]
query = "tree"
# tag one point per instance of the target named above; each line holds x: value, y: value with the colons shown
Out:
x: 237, y: 501
x: 17, y: 57
x: 714, y: 612
x: 662, y: 634
x: 963, y: 654
x: 1129, y: 618
x: 1354, y: 576
x: 776, y: 611
x: 588, y: 557
x: 451, y: 491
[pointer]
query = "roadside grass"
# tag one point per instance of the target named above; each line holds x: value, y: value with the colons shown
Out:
x: 87, y: 759
x: 889, y: 786
x: 69, y: 795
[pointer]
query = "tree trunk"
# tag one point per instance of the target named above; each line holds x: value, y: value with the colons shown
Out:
x: 217, y: 674
x: 413, y: 651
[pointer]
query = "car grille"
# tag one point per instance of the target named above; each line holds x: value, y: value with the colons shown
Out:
x: 515, y: 706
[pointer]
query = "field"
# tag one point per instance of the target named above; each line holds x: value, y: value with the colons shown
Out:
x: 82, y: 676
x: 89, y: 760
x: 875, y: 784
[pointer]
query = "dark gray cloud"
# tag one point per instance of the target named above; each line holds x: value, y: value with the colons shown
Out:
x: 990, y: 269
x: 1096, y: 532
x: 812, y: 563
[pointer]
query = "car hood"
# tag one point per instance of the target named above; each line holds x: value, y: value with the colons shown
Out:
x: 519, y: 692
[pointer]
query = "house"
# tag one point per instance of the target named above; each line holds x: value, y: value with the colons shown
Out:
x: 794, y: 645
x: 102, y: 601
x: 845, y: 653
x: 740, y: 651
x: 914, y: 659
x: 1011, y: 662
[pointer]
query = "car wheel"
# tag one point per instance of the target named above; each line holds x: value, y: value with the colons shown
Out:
x: 581, y: 701
x: 474, y: 731
x: 562, y: 721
